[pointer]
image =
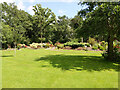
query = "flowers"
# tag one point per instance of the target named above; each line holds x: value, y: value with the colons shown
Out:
x: 21, y: 46
x: 25, y: 46
x: 116, y: 46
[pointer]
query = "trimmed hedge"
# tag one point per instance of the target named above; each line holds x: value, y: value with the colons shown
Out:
x: 76, y: 45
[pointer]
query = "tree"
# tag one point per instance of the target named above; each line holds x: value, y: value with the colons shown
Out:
x: 76, y: 23
x: 19, y: 20
x: 42, y: 19
x: 102, y: 20
x: 7, y: 35
x: 64, y: 31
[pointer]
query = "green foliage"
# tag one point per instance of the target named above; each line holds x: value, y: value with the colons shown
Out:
x: 101, y: 48
x: 116, y: 56
x: 18, y: 21
x: 74, y: 40
x: 50, y: 42
x: 42, y: 39
x: 95, y: 48
x: 63, y: 32
x: 43, y: 20
x: 76, y: 23
x: 92, y: 41
x: 101, y: 19
x: 19, y: 46
x: 116, y: 42
x: 60, y: 46
x: 47, y: 45
x: 7, y: 35
x: 76, y: 45
x: 103, y: 45
x: 87, y: 44
x: 42, y: 26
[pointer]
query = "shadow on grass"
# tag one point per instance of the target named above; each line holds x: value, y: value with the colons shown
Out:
x: 7, y: 56
x: 89, y: 63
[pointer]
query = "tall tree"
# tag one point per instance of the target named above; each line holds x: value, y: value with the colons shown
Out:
x: 76, y: 23
x: 17, y: 19
x: 42, y: 19
x: 64, y: 31
x: 7, y: 35
x: 102, y: 19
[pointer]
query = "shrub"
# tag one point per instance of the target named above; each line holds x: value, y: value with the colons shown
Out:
x: 103, y: 43
x: 60, y: 46
x: 57, y: 43
x: 101, y: 48
x: 87, y: 44
x: 76, y: 45
x: 116, y: 47
x: 68, y: 43
x: 39, y: 45
x: 34, y: 45
x: 92, y: 41
x: 74, y: 40
x: 25, y: 46
x: 115, y: 42
x: 50, y: 42
x: 81, y: 45
x: 115, y: 54
x: 47, y: 45
x: 51, y: 45
x: 94, y: 48
x: 19, y: 46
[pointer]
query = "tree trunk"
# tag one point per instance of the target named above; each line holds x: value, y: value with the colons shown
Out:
x: 41, y: 38
x: 15, y: 49
x: 110, y: 45
x: 82, y: 39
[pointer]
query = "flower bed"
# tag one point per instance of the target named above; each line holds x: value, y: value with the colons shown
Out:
x: 21, y: 46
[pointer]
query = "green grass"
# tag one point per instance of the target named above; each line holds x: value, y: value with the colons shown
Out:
x: 57, y: 69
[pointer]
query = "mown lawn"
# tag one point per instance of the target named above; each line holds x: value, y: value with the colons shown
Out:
x: 57, y: 69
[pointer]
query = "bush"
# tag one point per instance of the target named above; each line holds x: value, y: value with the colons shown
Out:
x: 92, y: 41
x: 47, y: 45
x: 51, y: 45
x: 68, y: 43
x: 74, y: 40
x: 34, y: 45
x: 23, y: 45
x: 115, y: 54
x: 101, y: 48
x: 19, y: 46
x: 39, y: 45
x: 60, y: 46
x: 76, y: 45
x: 81, y: 45
x: 94, y: 48
x: 103, y: 43
x: 88, y: 45
x: 115, y: 42
x: 57, y: 43
x: 50, y: 42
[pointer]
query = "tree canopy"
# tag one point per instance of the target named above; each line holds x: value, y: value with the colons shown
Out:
x: 101, y: 19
